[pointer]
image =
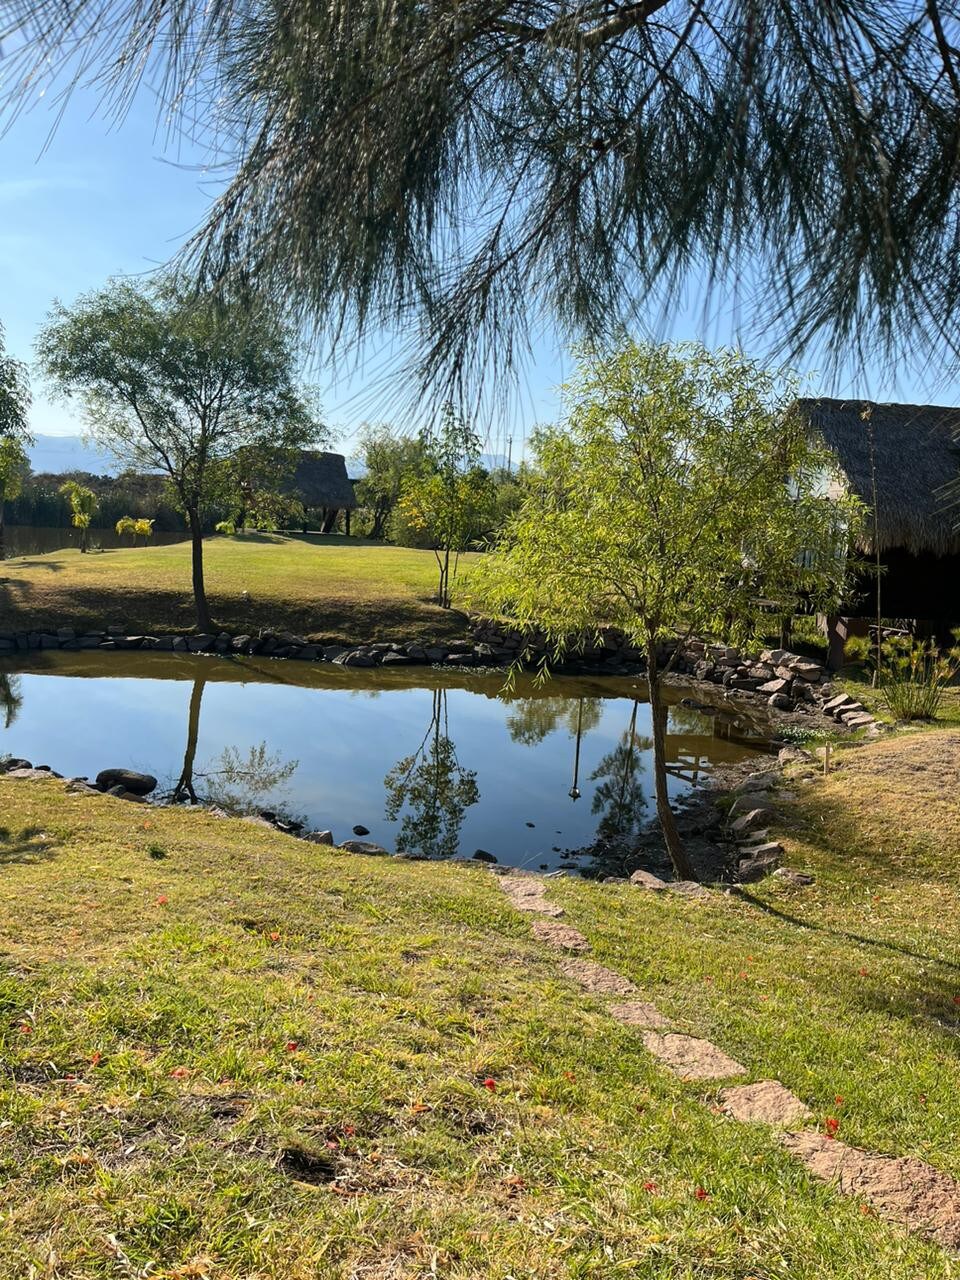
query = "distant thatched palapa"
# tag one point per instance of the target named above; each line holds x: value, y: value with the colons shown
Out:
x: 321, y: 483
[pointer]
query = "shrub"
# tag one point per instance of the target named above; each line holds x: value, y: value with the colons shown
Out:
x: 913, y: 676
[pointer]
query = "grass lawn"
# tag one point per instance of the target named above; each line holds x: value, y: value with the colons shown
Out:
x: 229, y: 1054
x: 326, y: 588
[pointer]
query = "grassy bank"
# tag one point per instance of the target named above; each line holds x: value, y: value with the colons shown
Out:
x: 325, y: 588
x: 228, y: 1054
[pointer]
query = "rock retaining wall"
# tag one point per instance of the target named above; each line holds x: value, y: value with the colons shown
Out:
x: 785, y: 681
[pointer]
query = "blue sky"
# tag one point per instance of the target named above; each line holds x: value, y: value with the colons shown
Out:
x: 91, y: 198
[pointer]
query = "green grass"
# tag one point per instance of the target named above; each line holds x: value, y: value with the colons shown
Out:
x: 326, y: 588
x: 183, y: 999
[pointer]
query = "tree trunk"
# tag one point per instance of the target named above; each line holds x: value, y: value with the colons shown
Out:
x: 2, y: 531
x: 445, y: 580
x: 204, y: 621
x: 658, y: 714
x: 185, y: 784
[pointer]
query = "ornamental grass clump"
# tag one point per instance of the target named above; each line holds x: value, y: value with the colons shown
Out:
x: 914, y: 676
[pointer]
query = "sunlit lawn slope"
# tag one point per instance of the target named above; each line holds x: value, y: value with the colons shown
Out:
x: 323, y: 587
x: 228, y: 1053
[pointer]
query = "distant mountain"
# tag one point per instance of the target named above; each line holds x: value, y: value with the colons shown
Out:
x: 356, y: 469
x: 56, y: 454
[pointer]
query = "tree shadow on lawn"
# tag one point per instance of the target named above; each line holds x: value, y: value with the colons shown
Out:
x: 859, y: 939
x: 25, y: 847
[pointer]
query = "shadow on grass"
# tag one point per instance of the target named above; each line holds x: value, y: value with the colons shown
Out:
x: 860, y: 939
x: 28, y: 846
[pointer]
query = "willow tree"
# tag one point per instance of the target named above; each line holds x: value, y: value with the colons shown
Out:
x: 679, y: 492
x: 179, y: 382
x: 489, y: 164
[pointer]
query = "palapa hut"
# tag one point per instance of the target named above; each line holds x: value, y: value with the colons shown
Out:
x: 320, y: 482
x: 910, y: 453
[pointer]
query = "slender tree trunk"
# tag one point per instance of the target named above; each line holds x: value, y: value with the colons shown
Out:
x: 185, y: 784
x: 204, y: 621
x: 658, y: 713
x: 3, y: 531
x: 445, y: 579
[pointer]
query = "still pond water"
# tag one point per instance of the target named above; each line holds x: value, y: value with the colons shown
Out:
x: 434, y: 763
x: 30, y: 540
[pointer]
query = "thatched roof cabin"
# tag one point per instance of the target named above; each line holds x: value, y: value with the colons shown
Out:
x: 321, y: 483
x: 917, y: 458
x: 915, y: 521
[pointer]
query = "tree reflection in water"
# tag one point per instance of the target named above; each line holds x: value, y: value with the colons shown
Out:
x: 11, y: 699
x: 619, y: 796
x: 234, y: 781
x: 434, y: 788
x: 532, y: 719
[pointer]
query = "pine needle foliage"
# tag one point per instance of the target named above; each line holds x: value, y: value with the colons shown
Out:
x: 485, y: 166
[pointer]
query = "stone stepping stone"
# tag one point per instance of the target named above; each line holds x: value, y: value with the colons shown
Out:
x: 767, y: 1102
x: 638, y: 1013
x: 597, y: 980
x: 690, y: 1058
x: 562, y: 936
x: 528, y: 893
x: 902, y: 1189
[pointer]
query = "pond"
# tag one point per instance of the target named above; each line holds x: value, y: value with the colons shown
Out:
x: 435, y: 763
x: 35, y: 540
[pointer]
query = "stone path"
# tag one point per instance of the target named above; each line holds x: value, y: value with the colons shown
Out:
x: 905, y: 1191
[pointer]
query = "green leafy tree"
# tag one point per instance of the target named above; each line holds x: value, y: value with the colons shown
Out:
x: 136, y: 526
x: 14, y: 433
x: 83, y: 507
x: 179, y: 382
x: 447, y: 496
x: 613, y: 143
x: 678, y: 492
x: 389, y: 460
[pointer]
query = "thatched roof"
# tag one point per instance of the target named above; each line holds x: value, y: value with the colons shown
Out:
x: 320, y: 480
x: 917, y: 457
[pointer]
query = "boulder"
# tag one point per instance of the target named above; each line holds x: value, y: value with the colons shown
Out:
x: 789, y: 876
x: 834, y: 705
x: 779, y: 685
x: 14, y: 762
x: 757, y: 782
x: 749, y: 821
x: 141, y: 784
x: 811, y: 671
x: 121, y: 793
x: 859, y: 720
x: 360, y: 830
x: 364, y: 846
x: 319, y: 837
x: 481, y: 855
x: 779, y: 702
x: 647, y: 880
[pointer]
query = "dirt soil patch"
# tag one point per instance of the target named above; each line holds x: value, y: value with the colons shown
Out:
x: 638, y: 1013
x: 562, y: 936
x: 926, y: 763
x: 902, y: 1189
x: 597, y: 980
x: 690, y: 1058
x: 527, y: 893
x: 767, y: 1102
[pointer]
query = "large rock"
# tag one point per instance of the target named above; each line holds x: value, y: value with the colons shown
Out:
x: 141, y: 784
x: 647, y: 880
x: 364, y: 846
